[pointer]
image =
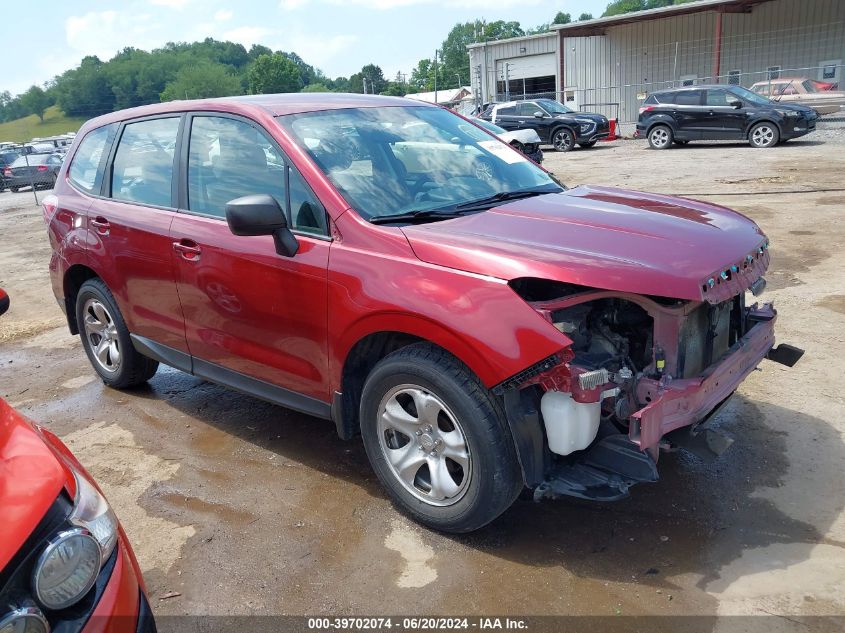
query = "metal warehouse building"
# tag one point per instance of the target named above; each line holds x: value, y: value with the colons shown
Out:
x: 609, y: 65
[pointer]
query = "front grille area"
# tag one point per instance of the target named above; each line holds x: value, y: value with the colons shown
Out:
x: 706, y: 336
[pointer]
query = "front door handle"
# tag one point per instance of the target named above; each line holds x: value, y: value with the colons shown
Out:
x: 101, y: 225
x: 188, y: 249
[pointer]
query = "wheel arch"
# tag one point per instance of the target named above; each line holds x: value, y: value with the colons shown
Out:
x: 74, y: 277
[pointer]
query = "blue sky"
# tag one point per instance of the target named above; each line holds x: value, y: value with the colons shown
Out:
x: 337, y: 36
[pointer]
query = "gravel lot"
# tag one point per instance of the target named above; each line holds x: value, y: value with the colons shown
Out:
x: 244, y: 508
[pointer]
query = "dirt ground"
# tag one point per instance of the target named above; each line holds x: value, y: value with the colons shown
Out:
x: 247, y: 508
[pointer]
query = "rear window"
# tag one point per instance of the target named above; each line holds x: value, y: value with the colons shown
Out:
x: 651, y: 100
x: 687, y: 97
x: 143, y: 164
x: 84, y: 171
x: 31, y: 159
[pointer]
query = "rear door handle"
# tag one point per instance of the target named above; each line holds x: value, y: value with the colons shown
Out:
x: 101, y: 225
x: 188, y: 249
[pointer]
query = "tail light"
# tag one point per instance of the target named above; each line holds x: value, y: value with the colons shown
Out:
x: 42, y: 168
x: 645, y: 109
x: 49, y: 205
x: 7, y: 171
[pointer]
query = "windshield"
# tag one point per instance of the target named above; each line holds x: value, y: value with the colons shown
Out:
x: 553, y: 107
x: 749, y: 96
x: 399, y: 160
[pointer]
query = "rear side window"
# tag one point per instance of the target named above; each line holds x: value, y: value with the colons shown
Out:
x: 84, y: 171
x: 228, y: 159
x: 143, y: 164
x: 651, y: 100
x: 508, y: 111
x: 688, y: 97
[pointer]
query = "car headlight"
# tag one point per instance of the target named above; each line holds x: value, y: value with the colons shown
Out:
x: 69, y: 565
x: 92, y: 512
x: 66, y: 569
x: 788, y: 113
x: 24, y: 620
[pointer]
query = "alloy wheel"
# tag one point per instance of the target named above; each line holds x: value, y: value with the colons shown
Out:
x: 562, y: 140
x: 424, y: 446
x: 659, y: 137
x: 763, y: 136
x: 101, y: 334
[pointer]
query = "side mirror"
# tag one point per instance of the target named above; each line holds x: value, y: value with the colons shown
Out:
x: 538, y: 115
x: 736, y: 104
x: 260, y: 214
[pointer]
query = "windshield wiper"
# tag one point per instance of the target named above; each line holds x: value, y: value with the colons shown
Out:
x: 504, y: 196
x: 423, y: 215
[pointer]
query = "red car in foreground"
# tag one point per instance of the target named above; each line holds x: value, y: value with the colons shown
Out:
x: 65, y: 563
x: 392, y: 267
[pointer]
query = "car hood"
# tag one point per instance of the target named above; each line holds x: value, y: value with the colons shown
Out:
x: 525, y: 136
x: 605, y: 238
x: 31, y: 478
x: 792, y: 106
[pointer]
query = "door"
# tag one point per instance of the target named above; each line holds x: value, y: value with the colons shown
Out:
x: 723, y: 120
x: 249, y: 312
x: 129, y: 230
x: 689, y: 114
x: 506, y: 117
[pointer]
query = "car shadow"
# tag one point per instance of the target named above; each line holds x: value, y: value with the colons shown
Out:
x: 698, y: 519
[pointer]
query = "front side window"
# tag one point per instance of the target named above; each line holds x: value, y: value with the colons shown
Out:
x: 719, y: 98
x: 410, y: 159
x: 84, y: 170
x: 143, y: 164
x: 228, y: 159
x: 528, y: 109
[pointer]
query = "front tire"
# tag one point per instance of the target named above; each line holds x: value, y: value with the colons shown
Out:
x: 764, y: 135
x: 106, y: 338
x: 660, y: 137
x: 438, y: 440
x: 587, y: 145
x: 563, y: 139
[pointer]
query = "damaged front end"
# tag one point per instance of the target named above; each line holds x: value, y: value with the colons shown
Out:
x: 641, y: 373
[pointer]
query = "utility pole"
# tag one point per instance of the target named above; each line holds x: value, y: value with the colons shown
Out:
x: 435, y: 76
x: 459, y: 79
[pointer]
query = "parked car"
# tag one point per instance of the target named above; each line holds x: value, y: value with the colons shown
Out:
x: 554, y: 122
x: 6, y: 159
x: 808, y: 92
x: 482, y: 334
x: 526, y: 141
x: 712, y: 113
x: 38, y: 170
x: 65, y: 562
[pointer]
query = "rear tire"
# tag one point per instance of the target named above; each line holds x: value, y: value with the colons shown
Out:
x: 763, y: 135
x: 438, y: 441
x: 14, y: 189
x: 660, y: 137
x: 587, y: 145
x: 106, y: 339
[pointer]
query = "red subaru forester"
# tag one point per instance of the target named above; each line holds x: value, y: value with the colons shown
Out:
x: 395, y: 268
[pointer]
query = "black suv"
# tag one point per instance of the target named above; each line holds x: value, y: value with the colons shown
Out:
x: 555, y: 123
x: 6, y: 158
x: 712, y: 113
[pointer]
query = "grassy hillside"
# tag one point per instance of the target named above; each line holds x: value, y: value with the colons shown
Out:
x: 22, y: 130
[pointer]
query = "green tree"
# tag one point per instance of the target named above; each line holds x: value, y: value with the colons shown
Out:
x: 85, y: 90
x: 374, y: 75
x: 562, y: 18
x: 540, y: 28
x: 35, y: 101
x: 316, y: 87
x: 618, y: 7
x: 422, y: 77
x: 270, y: 74
x: 201, y: 81
x: 394, y: 89
x: 585, y: 16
